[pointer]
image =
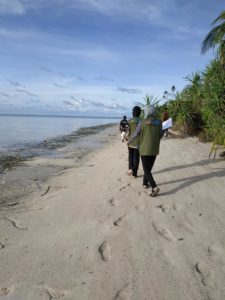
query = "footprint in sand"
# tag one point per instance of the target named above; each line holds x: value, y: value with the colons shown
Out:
x: 123, y: 294
x: 2, y: 245
x: 204, y: 271
x: 140, y: 208
x: 189, y: 227
x: 216, y: 252
x: 113, y: 202
x: 165, y: 208
x: 4, y: 291
x: 164, y: 232
x: 54, y: 294
x: 120, y: 221
x: 167, y: 258
x: 178, y: 207
x: 124, y: 187
x: 105, y: 251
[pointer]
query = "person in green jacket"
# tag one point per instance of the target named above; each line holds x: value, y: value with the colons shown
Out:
x: 133, y: 152
x: 150, y: 133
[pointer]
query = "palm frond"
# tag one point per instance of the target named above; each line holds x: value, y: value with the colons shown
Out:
x: 221, y: 17
x: 216, y: 37
x: 213, y: 38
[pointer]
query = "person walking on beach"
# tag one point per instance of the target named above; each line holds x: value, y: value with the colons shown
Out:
x: 165, y: 117
x: 150, y: 133
x: 123, y: 128
x: 133, y: 152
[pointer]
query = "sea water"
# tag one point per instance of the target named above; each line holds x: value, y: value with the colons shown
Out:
x: 18, y: 131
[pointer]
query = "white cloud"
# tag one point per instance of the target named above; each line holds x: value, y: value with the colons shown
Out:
x: 125, y: 8
x: 14, y: 7
x: 55, y: 44
x: 129, y: 90
x: 157, y: 12
x: 104, y: 78
x: 75, y: 105
x: 83, y: 104
x: 82, y: 98
x: 5, y: 95
x: 19, y: 7
x: 98, y: 53
x: 16, y: 33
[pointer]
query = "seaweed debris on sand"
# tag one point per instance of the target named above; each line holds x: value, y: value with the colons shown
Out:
x: 26, y: 170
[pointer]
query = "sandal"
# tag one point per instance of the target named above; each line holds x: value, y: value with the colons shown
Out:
x: 130, y: 172
x: 155, y: 192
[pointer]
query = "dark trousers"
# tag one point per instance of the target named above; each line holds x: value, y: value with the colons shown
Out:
x: 133, y: 158
x: 166, y: 132
x: 148, y: 162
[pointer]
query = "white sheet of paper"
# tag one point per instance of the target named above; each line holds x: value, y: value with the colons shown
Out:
x: 167, y: 124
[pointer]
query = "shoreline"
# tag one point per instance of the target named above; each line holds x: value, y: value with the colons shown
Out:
x: 44, y: 147
x: 26, y: 170
x: 92, y: 232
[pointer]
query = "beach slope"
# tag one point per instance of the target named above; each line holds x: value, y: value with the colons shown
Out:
x: 94, y: 233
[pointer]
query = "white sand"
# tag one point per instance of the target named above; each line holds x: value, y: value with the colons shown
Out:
x: 164, y: 248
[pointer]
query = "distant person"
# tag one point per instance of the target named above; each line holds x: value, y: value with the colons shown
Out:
x: 165, y: 117
x: 133, y: 152
x: 123, y: 128
x: 150, y: 133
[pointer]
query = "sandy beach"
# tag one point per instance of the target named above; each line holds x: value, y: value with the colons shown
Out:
x: 90, y: 232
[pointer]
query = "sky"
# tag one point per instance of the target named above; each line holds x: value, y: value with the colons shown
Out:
x: 98, y: 57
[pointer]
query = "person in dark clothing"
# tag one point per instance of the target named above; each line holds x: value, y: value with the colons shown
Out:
x: 133, y: 152
x: 150, y: 133
x: 165, y: 117
x: 123, y: 128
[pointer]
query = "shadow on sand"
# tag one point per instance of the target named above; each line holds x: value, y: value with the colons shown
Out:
x: 187, y: 181
x: 200, y: 163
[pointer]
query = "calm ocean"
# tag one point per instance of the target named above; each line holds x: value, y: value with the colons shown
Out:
x: 20, y: 131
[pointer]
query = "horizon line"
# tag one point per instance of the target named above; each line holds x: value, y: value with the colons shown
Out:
x: 66, y: 116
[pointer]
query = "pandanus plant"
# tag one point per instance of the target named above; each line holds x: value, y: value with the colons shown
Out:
x: 149, y: 100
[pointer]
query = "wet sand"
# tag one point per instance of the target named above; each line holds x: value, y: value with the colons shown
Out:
x: 19, y: 176
x: 92, y: 232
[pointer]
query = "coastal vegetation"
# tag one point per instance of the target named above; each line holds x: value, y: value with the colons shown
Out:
x: 199, y: 109
x: 215, y: 38
x: 148, y: 101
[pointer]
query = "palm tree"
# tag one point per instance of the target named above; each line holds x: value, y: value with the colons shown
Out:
x: 216, y: 38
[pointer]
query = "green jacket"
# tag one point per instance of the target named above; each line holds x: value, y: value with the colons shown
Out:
x: 151, y: 132
x: 132, y: 127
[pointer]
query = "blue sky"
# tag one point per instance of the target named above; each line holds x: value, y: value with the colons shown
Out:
x: 98, y: 57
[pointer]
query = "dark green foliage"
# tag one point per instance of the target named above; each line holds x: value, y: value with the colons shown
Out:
x: 216, y: 38
x: 214, y: 89
x: 213, y: 111
x: 200, y: 107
